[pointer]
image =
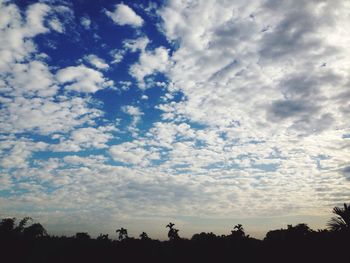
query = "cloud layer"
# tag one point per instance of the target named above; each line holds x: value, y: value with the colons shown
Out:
x: 209, y: 110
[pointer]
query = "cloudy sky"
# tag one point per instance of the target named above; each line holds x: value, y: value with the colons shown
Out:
x: 204, y: 113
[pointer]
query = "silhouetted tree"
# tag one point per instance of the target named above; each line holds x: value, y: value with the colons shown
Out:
x: 299, y: 230
x: 238, y: 231
x: 296, y: 232
x: 34, y: 231
x: 82, y: 236
x: 204, y: 237
x: 7, y: 226
x: 340, y: 222
x: 22, y: 224
x: 103, y: 237
x: 173, y: 232
x: 123, y: 233
x: 144, y: 236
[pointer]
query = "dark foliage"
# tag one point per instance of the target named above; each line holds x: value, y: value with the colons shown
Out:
x: 24, y: 242
x: 340, y: 222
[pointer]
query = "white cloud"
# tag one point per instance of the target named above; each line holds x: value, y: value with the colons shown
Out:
x: 30, y: 100
x: 132, y: 110
x: 16, y: 32
x: 29, y: 79
x: 138, y: 44
x: 118, y: 56
x: 82, y: 79
x: 132, y: 153
x: 125, y: 85
x: 47, y: 116
x: 124, y: 15
x: 56, y: 25
x: 136, y: 114
x: 35, y: 15
x: 17, y: 152
x: 97, y: 62
x: 224, y: 68
x: 85, y: 21
x: 150, y: 62
x: 91, y: 137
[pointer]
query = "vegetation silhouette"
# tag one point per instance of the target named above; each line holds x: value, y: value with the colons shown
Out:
x: 340, y: 222
x: 28, y: 241
x: 123, y: 233
x: 144, y: 236
x: 173, y: 232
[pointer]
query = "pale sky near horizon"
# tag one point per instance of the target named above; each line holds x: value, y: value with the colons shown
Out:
x: 203, y: 113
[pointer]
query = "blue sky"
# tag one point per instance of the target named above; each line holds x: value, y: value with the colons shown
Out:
x: 205, y: 113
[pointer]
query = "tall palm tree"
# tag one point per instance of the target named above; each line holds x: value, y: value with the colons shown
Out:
x: 341, y: 221
x: 123, y: 233
x: 238, y: 231
x: 173, y: 232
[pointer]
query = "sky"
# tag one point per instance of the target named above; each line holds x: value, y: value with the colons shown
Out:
x: 203, y: 113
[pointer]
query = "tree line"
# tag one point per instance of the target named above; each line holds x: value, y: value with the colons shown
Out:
x: 28, y: 241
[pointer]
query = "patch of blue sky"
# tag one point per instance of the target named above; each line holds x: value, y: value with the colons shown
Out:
x: 268, y: 167
x: 18, y: 188
x: 43, y: 155
x: 222, y: 165
x: 318, y: 159
x: 36, y: 137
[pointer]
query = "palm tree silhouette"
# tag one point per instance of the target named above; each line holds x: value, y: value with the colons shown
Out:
x: 123, y: 233
x: 340, y: 222
x: 238, y: 231
x: 173, y: 232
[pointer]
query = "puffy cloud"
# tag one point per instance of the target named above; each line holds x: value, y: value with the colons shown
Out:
x: 97, y: 62
x: 30, y: 79
x: 223, y: 70
x: 150, y: 62
x: 136, y: 114
x: 132, y: 110
x: 124, y: 15
x: 132, y: 153
x: 82, y: 79
x: 138, y: 44
x: 85, y: 138
x: 56, y: 25
x: 30, y: 98
x: 90, y: 137
x: 16, y: 32
x: 85, y: 21
x: 47, y: 116
x: 16, y: 153
x: 117, y: 55
x: 258, y: 83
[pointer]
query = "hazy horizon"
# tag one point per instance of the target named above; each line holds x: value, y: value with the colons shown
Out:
x: 207, y: 114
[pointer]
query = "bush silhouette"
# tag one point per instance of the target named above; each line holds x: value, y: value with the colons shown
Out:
x: 144, y: 236
x: 82, y: 236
